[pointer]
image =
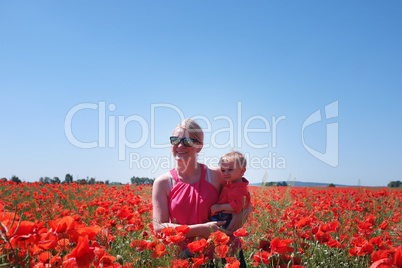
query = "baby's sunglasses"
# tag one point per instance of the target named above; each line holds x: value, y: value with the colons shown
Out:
x: 188, y: 142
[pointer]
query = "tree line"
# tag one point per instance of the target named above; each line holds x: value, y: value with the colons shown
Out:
x: 276, y: 183
x: 395, y: 184
x: 69, y: 179
x: 142, y: 180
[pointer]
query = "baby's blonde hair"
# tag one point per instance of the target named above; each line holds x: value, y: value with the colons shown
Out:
x: 236, y: 157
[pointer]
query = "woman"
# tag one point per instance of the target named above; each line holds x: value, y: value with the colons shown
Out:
x: 186, y: 193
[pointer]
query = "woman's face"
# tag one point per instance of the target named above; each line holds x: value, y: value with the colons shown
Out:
x: 182, y: 152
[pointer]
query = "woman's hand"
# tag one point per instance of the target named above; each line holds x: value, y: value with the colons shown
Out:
x: 210, y: 227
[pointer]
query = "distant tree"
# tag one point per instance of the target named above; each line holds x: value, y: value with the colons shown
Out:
x: 395, y: 184
x: 331, y: 185
x: 15, y: 179
x: 55, y: 180
x: 107, y: 182
x: 68, y: 178
x: 142, y: 180
x: 47, y: 180
x: 3, y: 179
x: 82, y: 181
x: 282, y: 183
x: 91, y: 181
x: 279, y: 183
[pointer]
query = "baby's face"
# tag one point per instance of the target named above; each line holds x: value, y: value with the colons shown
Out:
x: 232, y: 172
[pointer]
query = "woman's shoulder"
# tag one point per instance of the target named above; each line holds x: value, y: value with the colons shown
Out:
x: 213, y: 169
x: 216, y: 175
x: 162, y: 178
x: 162, y: 181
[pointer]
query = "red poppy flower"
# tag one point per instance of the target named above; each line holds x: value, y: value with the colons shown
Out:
x: 279, y: 246
x: 62, y: 225
x: 184, y: 229
x: 232, y: 262
x: 332, y: 243
x: 159, y: 251
x: 241, y: 233
x: 261, y: 256
x: 107, y: 261
x: 221, y: 251
x: 175, y: 238
x: 152, y: 244
x: 90, y: 231
x: 219, y: 238
x: 139, y: 245
x: 197, y: 246
x: 367, y: 248
x: 134, y: 225
x: 180, y: 263
x: 324, y: 228
x: 383, y: 225
x: 200, y: 260
x: 306, y: 221
x: 64, y: 243
x: 47, y: 241
x: 381, y: 254
x: 83, y: 254
x: 56, y: 261
x: 334, y: 226
x: 124, y: 214
x: 45, y: 256
x: 21, y: 229
x: 322, y: 237
x: 168, y: 231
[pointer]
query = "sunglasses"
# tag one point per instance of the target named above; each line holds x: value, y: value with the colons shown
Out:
x: 188, y: 142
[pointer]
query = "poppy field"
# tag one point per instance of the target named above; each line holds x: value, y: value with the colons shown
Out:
x: 70, y: 225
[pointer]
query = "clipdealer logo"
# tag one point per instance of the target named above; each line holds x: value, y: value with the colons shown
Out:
x: 112, y: 128
x: 331, y: 154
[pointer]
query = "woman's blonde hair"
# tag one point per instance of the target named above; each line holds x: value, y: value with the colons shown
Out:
x: 192, y: 128
x: 234, y: 157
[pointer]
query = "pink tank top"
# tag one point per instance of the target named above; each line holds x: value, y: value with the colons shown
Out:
x: 191, y: 203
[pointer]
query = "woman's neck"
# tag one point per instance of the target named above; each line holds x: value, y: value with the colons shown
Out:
x: 188, y: 172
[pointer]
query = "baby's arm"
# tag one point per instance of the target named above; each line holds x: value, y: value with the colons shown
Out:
x: 226, y: 208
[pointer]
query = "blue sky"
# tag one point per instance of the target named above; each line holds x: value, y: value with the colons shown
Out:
x: 132, y: 69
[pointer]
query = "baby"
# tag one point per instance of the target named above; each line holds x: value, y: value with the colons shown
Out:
x: 235, y: 195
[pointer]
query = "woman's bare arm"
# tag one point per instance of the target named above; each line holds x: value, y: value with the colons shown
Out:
x: 160, y: 203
